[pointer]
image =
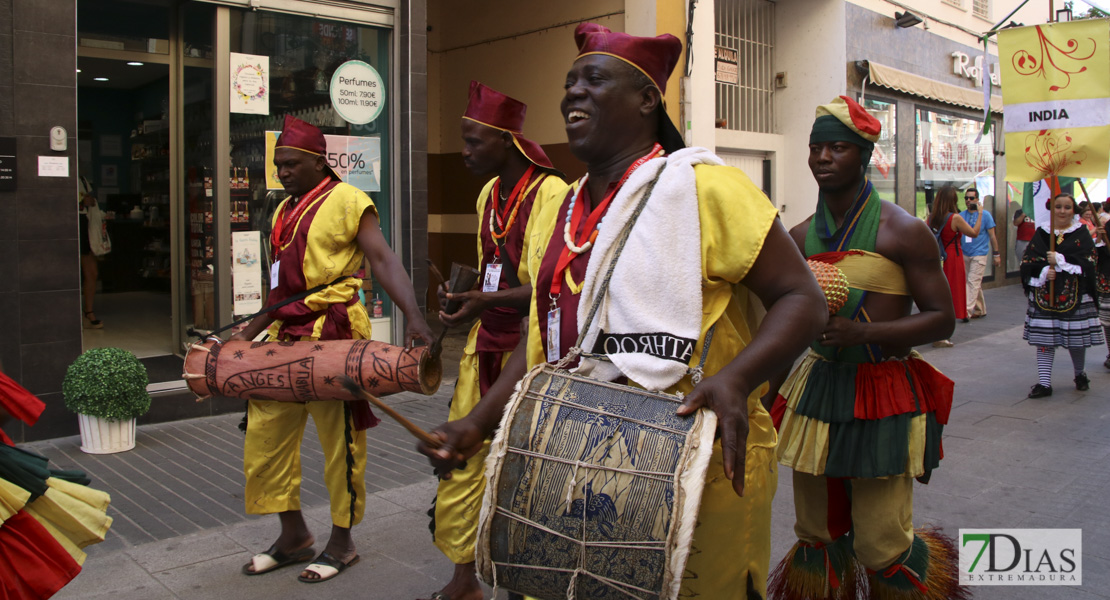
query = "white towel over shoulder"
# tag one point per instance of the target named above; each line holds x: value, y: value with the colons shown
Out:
x: 650, y: 319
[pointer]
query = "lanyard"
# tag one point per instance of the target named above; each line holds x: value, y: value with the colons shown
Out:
x: 570, y: 249
x: 284, y: 224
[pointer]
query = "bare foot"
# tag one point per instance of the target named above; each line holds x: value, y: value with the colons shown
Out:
x: 340, y: 545
x: 463, y: 585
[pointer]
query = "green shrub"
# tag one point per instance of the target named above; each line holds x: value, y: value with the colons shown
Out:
x: 109, y: 383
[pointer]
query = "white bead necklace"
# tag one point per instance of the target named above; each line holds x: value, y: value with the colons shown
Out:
x: 567, y: 236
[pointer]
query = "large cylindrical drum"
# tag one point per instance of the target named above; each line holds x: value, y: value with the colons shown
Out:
x: 308, y: 371
x: 593, y: 490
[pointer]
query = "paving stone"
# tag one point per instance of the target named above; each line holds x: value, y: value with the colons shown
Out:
x: 184, y: 550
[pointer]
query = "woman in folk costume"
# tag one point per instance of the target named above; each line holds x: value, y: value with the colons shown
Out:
x: 946, y: 219
x: 723, y: 241
x: 493, y: 144
x: 861, y: 416
x: 1102, y: 284
x: 1061, y: 283
x: 320, y: 234
x: 46, y: 515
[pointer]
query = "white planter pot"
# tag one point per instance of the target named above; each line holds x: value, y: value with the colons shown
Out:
x: 105, y: 437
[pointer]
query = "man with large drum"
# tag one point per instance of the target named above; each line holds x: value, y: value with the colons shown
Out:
x: 678, y: 278
x: 320, y: 233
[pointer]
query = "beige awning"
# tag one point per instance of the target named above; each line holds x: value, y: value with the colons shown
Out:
x: 917, y: 85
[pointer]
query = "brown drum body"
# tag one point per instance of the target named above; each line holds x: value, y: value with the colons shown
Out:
x: 306, y: 371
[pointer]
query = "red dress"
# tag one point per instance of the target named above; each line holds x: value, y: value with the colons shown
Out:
x: 954, y: 268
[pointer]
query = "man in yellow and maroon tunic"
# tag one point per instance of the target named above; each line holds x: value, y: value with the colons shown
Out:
x: 706, y: 238
x: 493, y: 144
x: 320, y: 234
x: 862, y: 415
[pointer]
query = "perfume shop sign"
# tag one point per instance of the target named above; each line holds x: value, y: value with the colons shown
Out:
x: 357, y: 92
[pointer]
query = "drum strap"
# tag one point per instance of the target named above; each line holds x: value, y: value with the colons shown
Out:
x: 289, y: 300
x: 695, y: 373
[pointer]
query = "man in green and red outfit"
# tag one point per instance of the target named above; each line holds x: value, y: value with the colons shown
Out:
x: 320, y: 234
x: 493, y: 144
x: 862, y: 415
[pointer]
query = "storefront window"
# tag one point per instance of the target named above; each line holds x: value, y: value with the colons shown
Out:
x: 883, y: 170
x: 199, y: 302
x: 302, y: 56
x: 947, y: 153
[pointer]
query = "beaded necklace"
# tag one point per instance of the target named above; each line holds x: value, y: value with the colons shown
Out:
x: 575, y: 212
x: 503, y: 225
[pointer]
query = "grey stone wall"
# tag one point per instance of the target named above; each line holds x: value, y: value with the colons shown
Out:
x: 413, y: 32
x: 39, y: 265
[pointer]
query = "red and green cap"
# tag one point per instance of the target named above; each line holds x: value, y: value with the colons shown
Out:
x: 844, y: 120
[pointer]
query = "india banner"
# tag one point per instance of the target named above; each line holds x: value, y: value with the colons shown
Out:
x: 1056, y: 98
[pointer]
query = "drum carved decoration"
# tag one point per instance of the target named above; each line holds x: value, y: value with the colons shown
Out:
x: 307, y: 371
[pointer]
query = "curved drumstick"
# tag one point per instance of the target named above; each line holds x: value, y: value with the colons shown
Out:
x: 415, y: 430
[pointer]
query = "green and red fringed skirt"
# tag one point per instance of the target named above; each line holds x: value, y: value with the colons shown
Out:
x: 864, y: 420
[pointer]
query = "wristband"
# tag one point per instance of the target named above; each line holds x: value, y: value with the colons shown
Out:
x: 996, y: 253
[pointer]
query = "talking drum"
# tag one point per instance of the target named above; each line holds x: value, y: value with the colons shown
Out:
x: 306, y: 370
x: 593, y: 490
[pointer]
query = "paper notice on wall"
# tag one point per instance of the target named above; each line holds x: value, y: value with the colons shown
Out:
x: 250, y: 84
x: 246, y: 272
x: 356, y: 160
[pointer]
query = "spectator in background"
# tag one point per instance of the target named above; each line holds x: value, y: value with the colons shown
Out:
x: 1104, y: 215
x: 975, y: 253
x: 948, y: 225
x: 1025, y: 229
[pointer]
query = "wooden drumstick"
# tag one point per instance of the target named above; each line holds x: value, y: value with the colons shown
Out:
x: 352, y: 386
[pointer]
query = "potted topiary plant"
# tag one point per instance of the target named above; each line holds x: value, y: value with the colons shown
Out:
x: 106, y: 387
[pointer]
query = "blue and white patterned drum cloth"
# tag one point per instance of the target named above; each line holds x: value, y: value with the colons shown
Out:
x: 592, y: 490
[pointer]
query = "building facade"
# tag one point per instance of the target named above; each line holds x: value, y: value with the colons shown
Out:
x: 164, y: 111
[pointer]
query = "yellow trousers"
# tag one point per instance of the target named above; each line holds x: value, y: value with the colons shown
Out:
x: 880, y: 513
x: 459, y: 499
x: 272, y: 458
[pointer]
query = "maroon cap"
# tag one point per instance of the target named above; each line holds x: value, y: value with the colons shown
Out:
x: 656, y: 56
x: 306, y: 137
x: 491, y: 108
x: 298, y: 135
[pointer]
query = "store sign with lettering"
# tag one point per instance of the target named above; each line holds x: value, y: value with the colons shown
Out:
x: 7, y: 164
x: 356, y: 160
x: 357, y: 92
x: 964, y: 66
x: 728, y: 65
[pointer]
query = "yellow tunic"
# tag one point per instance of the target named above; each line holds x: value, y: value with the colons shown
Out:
x: 459, y: 499
x: 272, y: 453
x: 733, y: 536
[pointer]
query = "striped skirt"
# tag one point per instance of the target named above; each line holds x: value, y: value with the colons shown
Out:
x: 1104, y: 310
x: 1078, y: 329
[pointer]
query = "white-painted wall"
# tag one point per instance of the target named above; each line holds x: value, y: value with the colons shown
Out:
x: 530, y: 64
x: 960, y: 23
x: 810, y: 47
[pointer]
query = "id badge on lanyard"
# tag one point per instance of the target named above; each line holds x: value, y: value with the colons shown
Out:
x: 553, y: 329
x: 274, y: 269
x: 492, y: 278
